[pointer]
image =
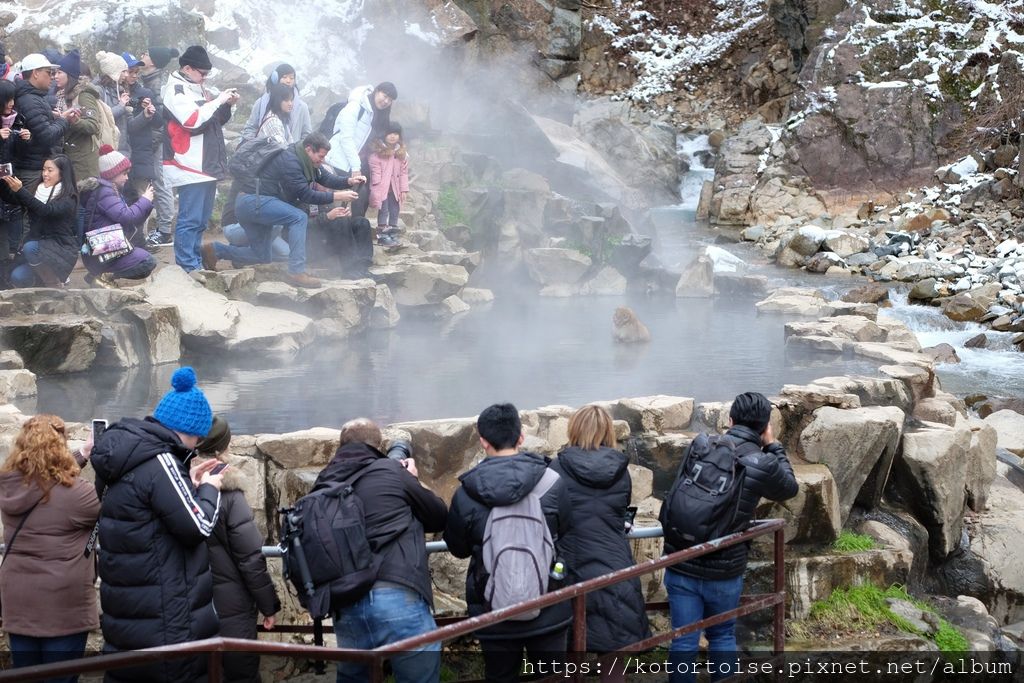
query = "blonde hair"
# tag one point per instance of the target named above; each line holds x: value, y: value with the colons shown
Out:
x: 41, y: 454
x: 591, y: 427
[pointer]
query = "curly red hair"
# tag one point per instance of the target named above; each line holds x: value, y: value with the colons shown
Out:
x: 41, y: 454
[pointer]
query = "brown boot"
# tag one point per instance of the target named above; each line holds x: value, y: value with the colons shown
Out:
x: 301, y: 280
x: 209, y: 255
x: 45, y: 274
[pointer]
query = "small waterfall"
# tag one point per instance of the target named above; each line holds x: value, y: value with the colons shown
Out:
x: 993, y: 371
x: 694, y: 151
x: 674, y: 223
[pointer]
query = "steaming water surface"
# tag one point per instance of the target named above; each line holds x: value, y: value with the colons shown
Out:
x: 533, y: 352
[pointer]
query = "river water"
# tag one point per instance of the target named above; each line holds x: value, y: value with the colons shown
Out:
x: 529, y: 350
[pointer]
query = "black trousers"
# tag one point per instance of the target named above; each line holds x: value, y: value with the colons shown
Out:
x: 503, y: 659
x: 360, y: 205
x: 349, y: 241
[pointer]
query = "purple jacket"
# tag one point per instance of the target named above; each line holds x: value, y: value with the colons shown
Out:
x: 105, y: 206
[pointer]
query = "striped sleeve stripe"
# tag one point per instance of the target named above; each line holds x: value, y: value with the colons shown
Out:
x: 184, y: 491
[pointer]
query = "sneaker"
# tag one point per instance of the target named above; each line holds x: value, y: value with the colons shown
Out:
x: 209, y: 254
x: 392, y: 230
x: 197, y: 276
x: 159, y: 239
x: 301, y: 280
x: 104, y: 280
x: 387, y: 240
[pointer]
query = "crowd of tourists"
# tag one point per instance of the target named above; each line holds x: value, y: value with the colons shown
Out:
x: 178, y: 553
x: 115, y: 158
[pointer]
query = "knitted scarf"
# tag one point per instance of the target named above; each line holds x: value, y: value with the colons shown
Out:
x: 308, y: 169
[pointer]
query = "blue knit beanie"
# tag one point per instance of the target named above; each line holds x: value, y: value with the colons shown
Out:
x: 185, y: 409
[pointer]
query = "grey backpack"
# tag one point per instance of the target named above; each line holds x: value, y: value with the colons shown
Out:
x: 518, y: 550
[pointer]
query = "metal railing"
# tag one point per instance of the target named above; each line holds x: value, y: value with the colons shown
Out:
x: 215, y: 647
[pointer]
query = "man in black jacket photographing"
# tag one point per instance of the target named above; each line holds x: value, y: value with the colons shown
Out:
x: 747, y: 464
x: 397, y: 511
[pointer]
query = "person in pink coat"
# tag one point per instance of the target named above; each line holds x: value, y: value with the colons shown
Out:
x: 389, y: 182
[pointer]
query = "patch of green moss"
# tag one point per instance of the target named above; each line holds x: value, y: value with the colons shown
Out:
x: 864, y: 607
x: 450, y: 207
x: 957, y: 86
x: 849, y: 542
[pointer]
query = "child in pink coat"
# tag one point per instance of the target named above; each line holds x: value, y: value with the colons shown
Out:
x: 389, y: 183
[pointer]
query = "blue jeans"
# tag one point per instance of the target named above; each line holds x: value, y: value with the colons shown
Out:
x: 387, y: 615
x: 258, y: 214
x: 24, y: 275
x: 236, y: 237
x: 691, y: 599
x: 29, y: 651
x: 195, y: 205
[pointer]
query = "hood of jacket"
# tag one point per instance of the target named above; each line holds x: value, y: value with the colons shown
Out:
x: 504, y: 479
x: 742, y: 433
x: 23, y: 87
x: 131, y: 442
x: 598, y: 469
x: 15, y: 496
x: 348, y: 460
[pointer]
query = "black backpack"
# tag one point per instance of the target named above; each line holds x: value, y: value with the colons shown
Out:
x: 327, y: 556
x: 331, y: 117
x: 704, y: 499
x: 250, y: 159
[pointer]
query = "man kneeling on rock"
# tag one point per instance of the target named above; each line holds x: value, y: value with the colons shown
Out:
x: 281, y: 195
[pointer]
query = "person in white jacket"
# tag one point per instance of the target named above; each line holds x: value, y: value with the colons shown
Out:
x: 368, y: 110
x: 195, y: 157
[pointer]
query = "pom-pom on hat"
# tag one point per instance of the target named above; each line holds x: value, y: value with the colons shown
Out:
x: 185, y: 408
x: 112, y: 163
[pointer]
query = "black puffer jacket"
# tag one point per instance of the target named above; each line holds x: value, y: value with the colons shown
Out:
x: 398, y: 510
x: 52, y: 224
x: 600, y: 487
x: 497, y: 481
x: 241, y: 584
x: 144, y: 135
x: 768, y: 475
x: 157, y: 587
x: 47, y: 131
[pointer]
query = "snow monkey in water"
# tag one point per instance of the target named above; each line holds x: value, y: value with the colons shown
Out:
x: 627, y: 328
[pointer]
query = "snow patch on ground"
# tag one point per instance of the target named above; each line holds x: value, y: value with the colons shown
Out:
x: 661, y: 55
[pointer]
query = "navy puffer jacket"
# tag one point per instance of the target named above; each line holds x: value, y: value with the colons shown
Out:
x: 47, y: 131
x: 600, y: 487
x: 768, y: 475
x: 157, y: 587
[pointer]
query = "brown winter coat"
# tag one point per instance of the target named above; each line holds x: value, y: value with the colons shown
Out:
x: 46, y: 582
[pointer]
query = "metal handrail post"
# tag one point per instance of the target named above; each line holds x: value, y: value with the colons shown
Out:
x: 779, y: 586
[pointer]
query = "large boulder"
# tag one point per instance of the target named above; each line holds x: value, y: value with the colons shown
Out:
x: 1009, y: 426
x: 553, y: 266
x: 813, y: 516
x: 51, y: 345
x: 995, y: 543
x: 306, y: 448
x: 208, y: 319
x: 15, y: 384
x: 443, y: 449
x: 796, y: 301
x: 932, y: 474
x: 855, y: 445
x: 269, y: 330
x: 423, y: 283
x: 654, y: 413
x: 697, y: 279
x: 349, y: 303
x: 160, y: 327
x: 981, y: 464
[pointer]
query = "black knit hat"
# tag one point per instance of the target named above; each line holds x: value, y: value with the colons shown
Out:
x: 393, y: 127
x: 196, y: 57
x: 160, y: 56
x: 218, y: 439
